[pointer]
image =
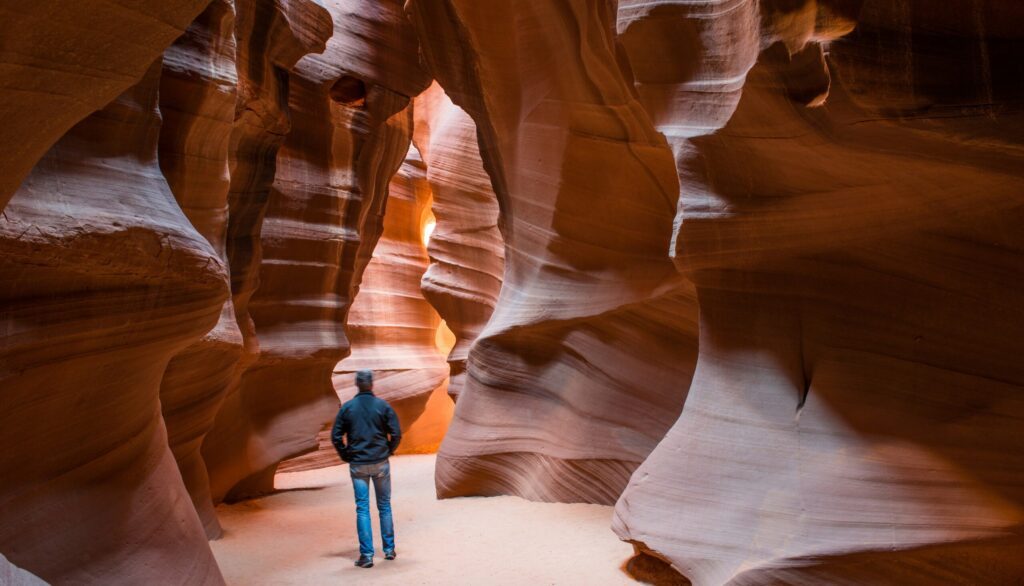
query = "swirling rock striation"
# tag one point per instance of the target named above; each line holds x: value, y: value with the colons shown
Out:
x: 391, y: 327
x: 197, y: 104
x: 855, y: 410
x: 270, y: 39
x: 467, y: 252
x: 61, y: 62
x: 104, y: 279
x: 350, y: 130
x: 583, y: 364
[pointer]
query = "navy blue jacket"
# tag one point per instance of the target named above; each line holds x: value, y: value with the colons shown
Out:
x: 366, y: 422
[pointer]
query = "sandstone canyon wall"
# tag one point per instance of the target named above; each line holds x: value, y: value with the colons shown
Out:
x: 60, y: 62
x: 270, y: 38
x: 855, y: 413
x: 586, y: 359
x: 115, y: 275
x: 836, y: 183
x: 467, y: 252
x: 392, y: 328
x: 197, y: 104
x: 350, y: 129
x: 104, y: 279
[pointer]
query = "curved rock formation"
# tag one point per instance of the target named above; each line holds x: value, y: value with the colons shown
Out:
x: 61, y: 62
x: 103, y: 281
x: 197, y: 104
x: 467, y: 253
x: 584, y: 363
x: 271, y: 37
x: 855, y: 413
x: 391, y: 327
x: 349, y: 133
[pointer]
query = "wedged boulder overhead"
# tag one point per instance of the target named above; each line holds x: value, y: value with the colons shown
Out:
x: 103, y: 279
x: 61, y: 61
x: 391, y: 327
x: 197, y: 103
x: 467, y: 252
x: 350, y: 130
x: 579, y: 370
x: 855, y: 413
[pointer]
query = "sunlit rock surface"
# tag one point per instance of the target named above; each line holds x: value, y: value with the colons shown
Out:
x: 836, y: 183
x: 392, y: 328
x: 350, y: 130
x: 856, y: 410
x: 467, y: 252
x: 104, y: 279
x: 586, y: 360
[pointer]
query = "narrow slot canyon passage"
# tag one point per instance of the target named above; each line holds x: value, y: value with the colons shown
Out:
x: 673, y: 292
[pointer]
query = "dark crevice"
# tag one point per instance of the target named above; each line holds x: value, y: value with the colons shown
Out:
x: 349, y: 91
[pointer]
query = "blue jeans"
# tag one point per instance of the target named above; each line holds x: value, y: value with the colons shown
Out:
x: 362, y: 474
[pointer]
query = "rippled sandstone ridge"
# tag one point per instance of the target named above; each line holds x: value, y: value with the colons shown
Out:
x: 747, y: 269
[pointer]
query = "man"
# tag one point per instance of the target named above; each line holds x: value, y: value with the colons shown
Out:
x: 366, y: 433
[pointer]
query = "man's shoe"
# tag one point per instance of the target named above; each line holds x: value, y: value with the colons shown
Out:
x: 390, y: 555
x: 364, y: 562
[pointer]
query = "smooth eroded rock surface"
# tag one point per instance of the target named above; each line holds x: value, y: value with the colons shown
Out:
x: 586, y: 359
x: 392, y: 328
x: 61, y: 61
x: 467, y: 252
x: 197, y: 103
x: 855, y: 413
x: 271, y: 37
x: 104, y: 280
x: 350, y: 130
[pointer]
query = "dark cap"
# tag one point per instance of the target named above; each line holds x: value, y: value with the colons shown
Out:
x: 364, y: 379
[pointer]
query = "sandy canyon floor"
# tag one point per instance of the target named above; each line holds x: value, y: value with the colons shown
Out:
x: 305, y: 534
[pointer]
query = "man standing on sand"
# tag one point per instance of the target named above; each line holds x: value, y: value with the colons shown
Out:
x: 366, y: 433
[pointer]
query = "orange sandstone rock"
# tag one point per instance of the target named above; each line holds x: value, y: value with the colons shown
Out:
x: 60, y: 62
x: 855, y: 410
x: 104, y: 280
x: 467, y: 252
x: 349, y: 132
x: 582, y: 366
x: 391, y: 327
x: 197, y: 104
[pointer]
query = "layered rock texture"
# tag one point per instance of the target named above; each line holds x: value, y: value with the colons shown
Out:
x: 392, y: 328
x: 270, y: 38
x: 855, y: 412
x: 587, y: 357
x: 60, y: 62
x: 826, y: 193
x: 197, y: 103
x: 138, y: 387
x: 467, y: 252
x: 104, y: 280
x: 350, y: 130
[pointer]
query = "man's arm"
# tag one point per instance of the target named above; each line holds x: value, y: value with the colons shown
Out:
x: 394, y: 430
x: 338, y: 433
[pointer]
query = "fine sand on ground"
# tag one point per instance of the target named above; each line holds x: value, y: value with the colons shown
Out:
x: 305, y: 534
